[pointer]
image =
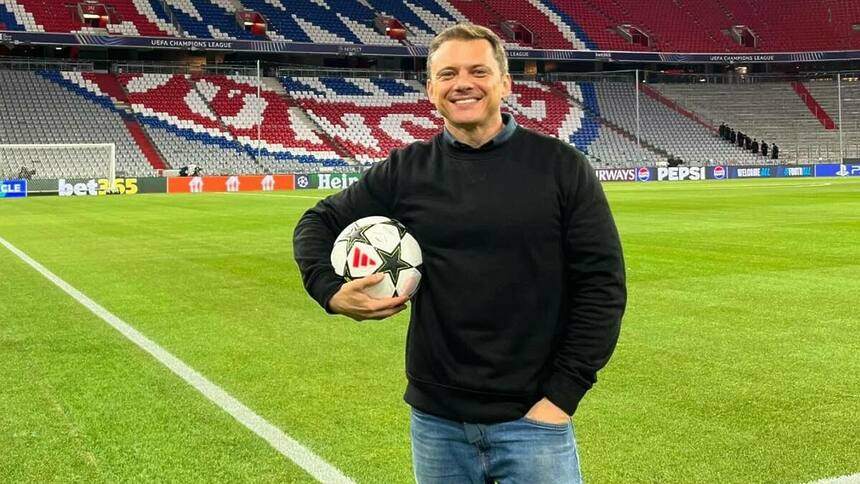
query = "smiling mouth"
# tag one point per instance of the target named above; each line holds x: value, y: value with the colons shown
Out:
x: 465, y: 101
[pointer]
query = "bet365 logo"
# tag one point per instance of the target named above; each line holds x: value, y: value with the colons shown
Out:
x: 102, y: 186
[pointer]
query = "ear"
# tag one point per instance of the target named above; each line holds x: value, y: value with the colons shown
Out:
x: 507, y: 83
x: 429, y: 87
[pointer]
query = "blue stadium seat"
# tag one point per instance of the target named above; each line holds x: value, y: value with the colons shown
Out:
x: 158, y: 8
x: 293, y: 86
x: 285, y: 23
x: 392, y: 87
x: 343, y: 87
x: 214, y: 16
x: 279, y: 21
x: 57, y: 78
x: 7, y: 18
x: 590, y: 129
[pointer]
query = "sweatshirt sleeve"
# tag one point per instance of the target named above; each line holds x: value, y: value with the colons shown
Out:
x: 596, y: 290
x: 315, y: 232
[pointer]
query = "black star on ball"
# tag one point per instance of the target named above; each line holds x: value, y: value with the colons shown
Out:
x: 356, y: 236
x: 392, y: 264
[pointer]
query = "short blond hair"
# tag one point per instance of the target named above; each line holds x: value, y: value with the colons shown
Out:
x: 467, y: 31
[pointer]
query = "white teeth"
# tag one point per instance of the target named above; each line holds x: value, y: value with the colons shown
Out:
x: 464, y: 101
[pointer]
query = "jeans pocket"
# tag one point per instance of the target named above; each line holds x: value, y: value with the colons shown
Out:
x: 546, y: 425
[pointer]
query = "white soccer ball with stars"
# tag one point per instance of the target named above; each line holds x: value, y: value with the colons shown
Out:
x: 379, y: 245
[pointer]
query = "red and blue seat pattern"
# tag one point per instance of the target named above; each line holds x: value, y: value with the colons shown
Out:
x: 690, y: 26
x: 128, y: 17
x: 373, y: 116
x: 321, y: 120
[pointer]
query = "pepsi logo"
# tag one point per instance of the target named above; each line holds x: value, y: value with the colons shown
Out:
x: 719, y: 172
x: 643, y: 174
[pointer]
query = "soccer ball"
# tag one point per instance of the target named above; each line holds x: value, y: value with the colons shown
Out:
x: 374, y: 245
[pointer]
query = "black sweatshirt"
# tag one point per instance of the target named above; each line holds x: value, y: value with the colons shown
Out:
x: 523, y: 284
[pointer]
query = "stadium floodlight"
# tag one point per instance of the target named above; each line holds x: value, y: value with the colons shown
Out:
x: 75, y: 160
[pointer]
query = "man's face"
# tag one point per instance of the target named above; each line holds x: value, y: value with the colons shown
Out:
x: 466, y: 84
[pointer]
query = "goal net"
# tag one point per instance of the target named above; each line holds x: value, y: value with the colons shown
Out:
x: 54, y: 161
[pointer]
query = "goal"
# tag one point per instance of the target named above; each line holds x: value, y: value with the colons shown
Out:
x: 46, y: 161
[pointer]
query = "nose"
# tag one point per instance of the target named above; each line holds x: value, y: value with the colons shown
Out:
x: 462, y: 85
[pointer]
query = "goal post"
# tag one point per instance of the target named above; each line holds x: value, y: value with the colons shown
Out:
x: 69, y: 160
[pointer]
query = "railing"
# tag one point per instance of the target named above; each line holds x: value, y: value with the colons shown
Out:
x: 30, y: 64
x: 184, y: 68
x: 299, y: 71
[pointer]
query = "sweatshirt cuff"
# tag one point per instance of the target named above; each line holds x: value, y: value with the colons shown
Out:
x: 564, y: 392
x: 324, y: 289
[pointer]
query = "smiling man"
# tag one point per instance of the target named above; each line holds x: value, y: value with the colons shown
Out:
x: 523, y: 288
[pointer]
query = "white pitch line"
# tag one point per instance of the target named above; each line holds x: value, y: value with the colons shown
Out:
x: 852, y: 479
x: 283, y: 443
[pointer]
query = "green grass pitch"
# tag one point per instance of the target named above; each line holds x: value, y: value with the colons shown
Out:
x: 739, y: 358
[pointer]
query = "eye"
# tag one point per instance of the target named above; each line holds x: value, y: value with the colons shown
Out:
x: 480, y: 72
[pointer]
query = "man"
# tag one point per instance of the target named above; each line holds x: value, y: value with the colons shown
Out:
x: 764, y: 148
x: 774, y: 152
x: 754, y: 147
x: 523, y: 289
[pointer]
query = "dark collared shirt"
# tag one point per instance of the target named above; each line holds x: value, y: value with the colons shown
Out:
x: 504, y: 135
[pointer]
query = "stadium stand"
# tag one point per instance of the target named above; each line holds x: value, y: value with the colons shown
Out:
x: 665, y: 128
x: 46, y: 112
x: 792, y: 25
x: 214, y: 156
x: 422, y: 18
x: 595, y: 25
x: 230, y: 124
x: 372, y: 116
x: 826, y: 94
x: 672, y: 26
x: 477, y: 13
x: 339, y: 21
x: 606, y: 144
x: 550, y: 30
x: 104, y: 90
x: 770, y: 110
x: 369, y: 117
x: 235, y: 101
x: 540, y: 108
x: 215, y: 19
x: 126, y: 17
x: 308, y: 123
x: 224, y: 112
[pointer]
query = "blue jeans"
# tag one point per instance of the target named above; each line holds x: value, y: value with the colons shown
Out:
x: 517, y: 452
